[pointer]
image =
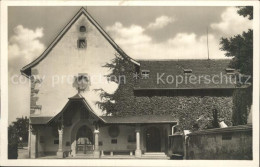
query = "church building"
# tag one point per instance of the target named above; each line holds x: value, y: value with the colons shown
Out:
x: 66, y: 122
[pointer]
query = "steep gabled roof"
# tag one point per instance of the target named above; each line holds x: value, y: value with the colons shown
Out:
x: 196, y: 67
x: 76, y: 98
x: 26, y: 70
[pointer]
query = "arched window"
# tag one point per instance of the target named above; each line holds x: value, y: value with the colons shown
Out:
x: 82, y: 29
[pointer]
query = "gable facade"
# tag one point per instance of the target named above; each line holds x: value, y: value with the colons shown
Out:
x: 54, y: 74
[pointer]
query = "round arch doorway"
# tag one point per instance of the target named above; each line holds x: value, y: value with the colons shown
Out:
x: 153, y: 139
x: 84, y: 138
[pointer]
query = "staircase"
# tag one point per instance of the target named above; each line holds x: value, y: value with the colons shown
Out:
x: 155, y: 155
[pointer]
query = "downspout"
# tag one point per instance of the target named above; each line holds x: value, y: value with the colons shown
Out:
x: 174, y: 127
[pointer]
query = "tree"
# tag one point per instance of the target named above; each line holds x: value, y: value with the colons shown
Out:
x: 16, y: 131
x: 240, y: 48
x: 121, y: 69
x: 12, y: 143
x: 21, y: 126
x: 246, y: 11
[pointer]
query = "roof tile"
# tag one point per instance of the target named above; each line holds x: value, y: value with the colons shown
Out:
x: 174, y: 68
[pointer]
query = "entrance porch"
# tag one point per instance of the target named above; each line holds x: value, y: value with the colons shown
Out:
x: 77, y: 132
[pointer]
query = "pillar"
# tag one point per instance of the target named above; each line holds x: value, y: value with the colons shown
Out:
x: 73, y: 148
x: 96, y: 147
x: 138, y: 152
x: 60, y: 150
x: 33, y: 143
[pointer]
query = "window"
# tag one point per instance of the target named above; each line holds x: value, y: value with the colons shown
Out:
x: 187, y: 71
x: 82, y: 43
x: 145, y: 74
x: 82, y: 29
x: 56, y: 141
x: 114, y: 141
x: 100, y: 143
x: 230, y: 71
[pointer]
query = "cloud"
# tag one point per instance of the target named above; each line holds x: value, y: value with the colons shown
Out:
x: 23, y: 47
x: 160, y: 22
x: 232, y: 23
x: 139, y: 45
x: 125, y: 34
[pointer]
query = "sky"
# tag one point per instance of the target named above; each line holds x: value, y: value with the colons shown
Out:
x: 142, y: 32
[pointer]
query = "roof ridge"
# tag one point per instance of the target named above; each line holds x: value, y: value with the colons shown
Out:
x: 182, y: 59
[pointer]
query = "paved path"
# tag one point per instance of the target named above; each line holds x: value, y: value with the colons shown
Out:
x: 23, y: 153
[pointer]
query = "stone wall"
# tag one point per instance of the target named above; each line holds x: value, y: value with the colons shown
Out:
x: 232, y: 143
x: 176, y: 144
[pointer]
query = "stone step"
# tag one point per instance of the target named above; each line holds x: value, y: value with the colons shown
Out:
x: 155, y: 153
x: 154, y: 157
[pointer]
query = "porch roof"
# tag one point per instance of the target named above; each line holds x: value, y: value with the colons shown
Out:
x: 76, y: 98
x: 133, y: 119
x: 139, y: 119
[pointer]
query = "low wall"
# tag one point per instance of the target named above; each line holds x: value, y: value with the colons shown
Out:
x: 176, y: 144
x: 231, y: 143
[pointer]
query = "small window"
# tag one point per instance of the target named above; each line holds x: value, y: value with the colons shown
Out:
x: 230, y: 71
x: 187, y: 71
x: 145, y: 74
x: 100, y: 143
x: 56, y: 141
x: 82, y: 43
x: 82, y: 29
x: 114, y: 141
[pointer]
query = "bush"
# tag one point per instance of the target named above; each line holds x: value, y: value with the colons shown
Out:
x: 12, y: 151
